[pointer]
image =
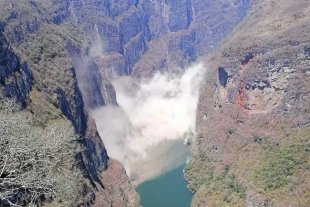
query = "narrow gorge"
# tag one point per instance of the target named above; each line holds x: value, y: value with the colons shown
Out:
x: 149, y: 128
x: 144, y: 48
x: 60, y: 57
x: 165, y: 103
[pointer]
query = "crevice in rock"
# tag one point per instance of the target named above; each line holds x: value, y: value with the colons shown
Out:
x: 223, y: 76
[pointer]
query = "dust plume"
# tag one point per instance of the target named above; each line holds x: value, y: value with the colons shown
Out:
x: 147, y: 132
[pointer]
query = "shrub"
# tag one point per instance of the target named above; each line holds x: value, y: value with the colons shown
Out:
x: 36, y: 164
x: 280, y: 163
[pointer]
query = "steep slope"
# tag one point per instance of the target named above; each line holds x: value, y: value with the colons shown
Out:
x: 47, y: 65
x: 38, y: 70
x: 15, y: 77
x: 140, y: 37
x: 253, y: 118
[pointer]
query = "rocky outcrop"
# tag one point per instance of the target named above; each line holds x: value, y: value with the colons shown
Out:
x: 223, y: 76
x: 107, y: 183
x: 96, y: 89
x: 262, y: 79
x: 101, y: 188
x: 15, y: 77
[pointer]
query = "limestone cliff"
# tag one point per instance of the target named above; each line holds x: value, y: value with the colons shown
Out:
x: 37, y: 68
x: 140, y: 37
x: 253, y: 123
x: 15, y: 77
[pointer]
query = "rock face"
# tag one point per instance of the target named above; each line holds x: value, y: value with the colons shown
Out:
x: 15, y: 78
x: 253, y: 122
x: 223, y: 76
x: 140, y: 37
x: 40, y: 71
x: 97, y: 91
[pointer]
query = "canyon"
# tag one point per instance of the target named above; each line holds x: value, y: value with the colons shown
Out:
x: 239, y: 69
x: 252, y: 121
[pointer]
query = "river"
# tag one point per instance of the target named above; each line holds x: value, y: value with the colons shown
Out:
x: 167, y: 190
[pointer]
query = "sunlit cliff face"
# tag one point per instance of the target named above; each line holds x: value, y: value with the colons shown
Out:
x: 146, y: 133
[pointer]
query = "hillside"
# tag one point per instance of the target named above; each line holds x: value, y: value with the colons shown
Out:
x: 253, y: 113
x: 37, y: 69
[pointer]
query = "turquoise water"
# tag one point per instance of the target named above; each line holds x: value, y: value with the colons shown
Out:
x: 167, y: 190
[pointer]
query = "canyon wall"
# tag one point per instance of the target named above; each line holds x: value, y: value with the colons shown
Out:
x: 57, y: 58
x: 140, y: 37
x: 252, y: 122
x: 15, y: 77
x: 40, y: 69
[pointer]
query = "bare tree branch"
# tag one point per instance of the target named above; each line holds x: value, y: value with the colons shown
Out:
x: 37, y: 165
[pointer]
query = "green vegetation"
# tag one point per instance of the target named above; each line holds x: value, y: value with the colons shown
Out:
x: 38, y: 146
x: 220, y: 189
x: 230, y: 132
x: 280, y: 163
x: 274, y: 170
x: 38, y: 32
x: 198, y: 172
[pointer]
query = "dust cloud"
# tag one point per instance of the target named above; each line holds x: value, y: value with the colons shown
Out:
x: 154, y: 118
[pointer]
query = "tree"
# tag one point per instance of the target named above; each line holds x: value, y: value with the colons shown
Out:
x: 36, y: 164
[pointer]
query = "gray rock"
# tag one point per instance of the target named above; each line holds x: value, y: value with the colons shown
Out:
x: 223, y: 76
x: 16, y: 78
